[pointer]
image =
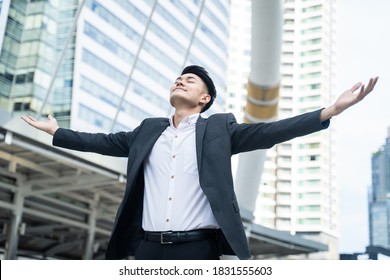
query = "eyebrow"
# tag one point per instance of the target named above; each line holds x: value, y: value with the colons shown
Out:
x: 188, y: 77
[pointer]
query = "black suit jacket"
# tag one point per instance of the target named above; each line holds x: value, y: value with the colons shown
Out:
x: 217, y: 139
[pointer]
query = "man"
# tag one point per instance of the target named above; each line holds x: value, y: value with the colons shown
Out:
x: 179, y: 201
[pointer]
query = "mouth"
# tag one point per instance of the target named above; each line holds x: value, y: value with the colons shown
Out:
x: 179, y: 89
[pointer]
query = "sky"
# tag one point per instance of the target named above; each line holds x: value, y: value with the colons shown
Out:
x: 364, y: 52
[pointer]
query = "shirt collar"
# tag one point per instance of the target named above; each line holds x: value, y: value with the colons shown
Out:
x: 190, y: 120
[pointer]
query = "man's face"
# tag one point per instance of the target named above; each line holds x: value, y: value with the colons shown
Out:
x: 189, y: 91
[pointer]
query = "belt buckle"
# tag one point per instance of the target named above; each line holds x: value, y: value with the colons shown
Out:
x: 162, y: 238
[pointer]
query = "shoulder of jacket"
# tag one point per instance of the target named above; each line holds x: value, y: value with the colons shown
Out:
x: 220, y: 116
x: 155, y: 120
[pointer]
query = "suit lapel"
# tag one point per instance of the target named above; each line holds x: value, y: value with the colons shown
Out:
x: 146, y: 138
x: 152, y: 133
x: 199, y: 132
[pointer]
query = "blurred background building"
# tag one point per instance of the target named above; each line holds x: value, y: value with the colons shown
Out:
x: 110, y: 56
x: 379, y: 197
x: 378, y: 207
x: 95, y: 66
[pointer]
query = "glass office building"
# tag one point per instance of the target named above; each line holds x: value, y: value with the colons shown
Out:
x: 110, y: 64
x: 35, y: 32
x: 379, y: 197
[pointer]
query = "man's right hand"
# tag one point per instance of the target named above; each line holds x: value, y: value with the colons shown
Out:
x: 50, y: 126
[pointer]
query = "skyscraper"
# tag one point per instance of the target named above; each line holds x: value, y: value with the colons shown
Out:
x: 95, y: 65
x: 117, y: 66
x: 306, y: 189
x: 34, y: 34
x: 379, y: 197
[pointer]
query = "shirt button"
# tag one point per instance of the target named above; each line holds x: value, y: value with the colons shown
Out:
x: 170, y: 198
x: 173, y: 156
x: 172, y: 176
x: 167, y: 220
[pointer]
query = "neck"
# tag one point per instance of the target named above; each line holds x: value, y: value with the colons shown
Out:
x: 182, y: 114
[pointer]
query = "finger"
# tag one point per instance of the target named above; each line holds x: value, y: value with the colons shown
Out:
x: 361, y: 93
x: 374, y: 81
x: 32, y: 118
x: 51, y: 119
x: 24, y: 118
x: 356, y: 86
x: 28, y: 119
x: 371, y: 84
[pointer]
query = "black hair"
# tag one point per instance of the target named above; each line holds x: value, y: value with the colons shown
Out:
x: 204, y: 75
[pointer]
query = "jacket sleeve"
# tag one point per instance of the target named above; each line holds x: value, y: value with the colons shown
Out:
x: 248, y: 137
x: 113, y: 144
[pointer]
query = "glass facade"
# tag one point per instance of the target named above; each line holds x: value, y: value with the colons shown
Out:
x: 379, y: 197
x: 116, y: 58
x: 34, y: 38
x: 123, y: 60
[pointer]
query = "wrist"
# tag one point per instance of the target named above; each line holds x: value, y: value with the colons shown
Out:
x: 53, y: 130
x: 328, y: 112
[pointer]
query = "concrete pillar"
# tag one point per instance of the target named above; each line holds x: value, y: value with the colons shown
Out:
x: 263, y: 92
x: 89, y: 244
x: 13, y: 230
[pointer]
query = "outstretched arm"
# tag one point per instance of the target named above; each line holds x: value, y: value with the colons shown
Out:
x: 50, y: 126
x: 347, y: 99
x: 113, y: 144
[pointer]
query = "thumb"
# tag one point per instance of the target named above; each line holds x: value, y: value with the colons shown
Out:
x: 356, y: 86
x: 50, y: 118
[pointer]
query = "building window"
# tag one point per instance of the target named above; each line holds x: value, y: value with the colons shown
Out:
x: 21, y: 106
x: 68, y: 83
x: 309, y: 221
x: 309, y: 208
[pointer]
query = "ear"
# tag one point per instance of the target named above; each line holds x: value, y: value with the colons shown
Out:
x: 204, y: 99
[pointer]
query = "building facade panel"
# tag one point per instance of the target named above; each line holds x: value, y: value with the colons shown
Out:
x: 379, y: 197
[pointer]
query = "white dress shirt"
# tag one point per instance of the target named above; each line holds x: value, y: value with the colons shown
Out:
x: 173, y: 198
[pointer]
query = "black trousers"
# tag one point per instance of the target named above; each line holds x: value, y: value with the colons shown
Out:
x: 196, y: 250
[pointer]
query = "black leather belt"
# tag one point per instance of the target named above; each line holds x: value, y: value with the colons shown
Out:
x: 171, y: 237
